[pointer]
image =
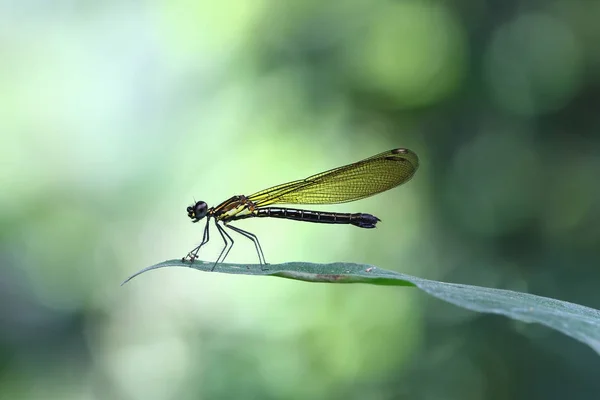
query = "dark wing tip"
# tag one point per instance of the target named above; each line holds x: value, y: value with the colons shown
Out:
x: 408, y: 155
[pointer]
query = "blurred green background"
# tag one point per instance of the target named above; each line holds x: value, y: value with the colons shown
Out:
x: 115, y: 115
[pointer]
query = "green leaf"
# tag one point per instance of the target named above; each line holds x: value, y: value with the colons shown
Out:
x: 579, y: 322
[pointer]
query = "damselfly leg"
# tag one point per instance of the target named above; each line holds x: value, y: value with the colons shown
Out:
x: 226, y: 248
x: 251, y: 236
x: 192, y: 255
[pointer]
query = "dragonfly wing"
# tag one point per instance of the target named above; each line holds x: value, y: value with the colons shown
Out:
x: 343, y: 184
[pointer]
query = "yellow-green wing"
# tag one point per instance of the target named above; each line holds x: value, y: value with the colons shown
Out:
x: 348, y: 183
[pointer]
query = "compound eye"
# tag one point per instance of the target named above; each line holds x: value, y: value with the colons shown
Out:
x: 200, y: 209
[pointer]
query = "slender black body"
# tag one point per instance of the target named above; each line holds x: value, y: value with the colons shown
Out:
x: 348, y: 183
x: 357, y: 219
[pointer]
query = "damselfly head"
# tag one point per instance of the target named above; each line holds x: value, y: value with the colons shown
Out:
x: 197, y: 211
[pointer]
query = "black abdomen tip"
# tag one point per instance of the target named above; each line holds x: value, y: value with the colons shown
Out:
x: 364, y: 220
